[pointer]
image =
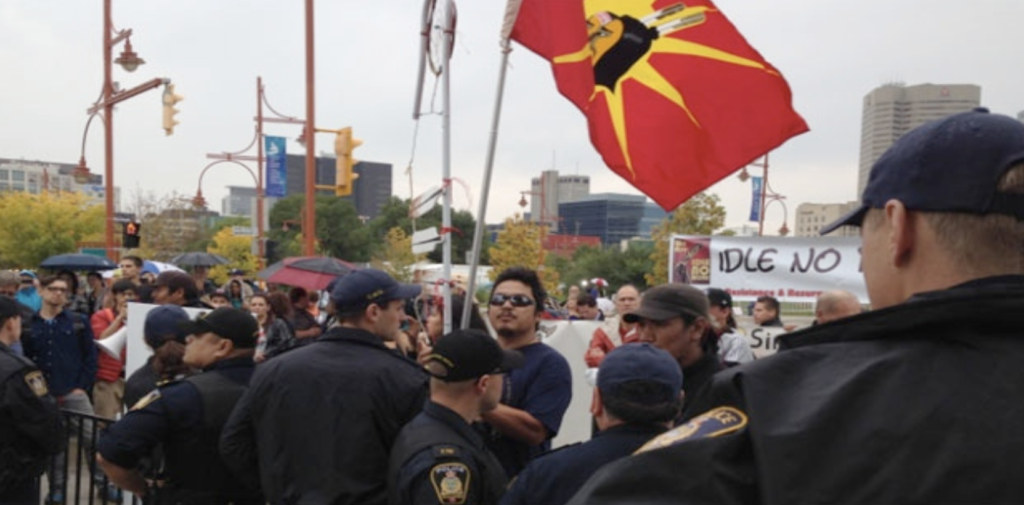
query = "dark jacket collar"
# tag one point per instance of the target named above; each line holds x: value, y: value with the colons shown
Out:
x: 241, y: 362
x: 997, y: 300
x: 451, y: 418
x: 352, y: 335
x: 630, y: 429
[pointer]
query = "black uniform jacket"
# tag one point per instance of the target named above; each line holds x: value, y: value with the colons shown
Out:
x: 30, y: 423
x: 318, y: 422
x: 439, y: 458
x: 553, y: 478
x: 916, y: 403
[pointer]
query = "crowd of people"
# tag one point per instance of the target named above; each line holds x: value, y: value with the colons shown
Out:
x: 906, y: 403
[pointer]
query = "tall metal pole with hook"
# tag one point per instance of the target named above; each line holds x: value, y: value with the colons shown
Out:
x: 446, y: 160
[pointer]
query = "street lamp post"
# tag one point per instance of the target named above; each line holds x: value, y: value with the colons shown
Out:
x: 768, y: 196
x: 129, y: 61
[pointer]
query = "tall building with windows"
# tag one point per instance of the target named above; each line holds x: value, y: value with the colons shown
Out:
x: 894, y: 109
x: 550, y: 189
x: 613, y: 217
x: 812, y: 217
x: 369, y: 192
x: 38, y: 176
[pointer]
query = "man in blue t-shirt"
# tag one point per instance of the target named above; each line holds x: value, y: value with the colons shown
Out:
x: 535, y: 396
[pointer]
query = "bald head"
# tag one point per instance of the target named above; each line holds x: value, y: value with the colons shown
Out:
x: 832, y: 305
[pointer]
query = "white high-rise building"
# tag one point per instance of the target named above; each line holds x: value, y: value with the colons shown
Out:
x: 812, y: 217
x: 551, y: 189
x: 894, y: 109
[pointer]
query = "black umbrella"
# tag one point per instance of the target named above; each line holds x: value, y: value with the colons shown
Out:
x: 323, y: 265
x: 77, y: 261
x: 198, y: 259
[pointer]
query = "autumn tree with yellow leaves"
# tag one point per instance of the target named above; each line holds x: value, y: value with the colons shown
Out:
x: 35, y: 227
x: 396, y: 256
x: 521, y: 244
x: 236, y: 249
x: 700, y: 215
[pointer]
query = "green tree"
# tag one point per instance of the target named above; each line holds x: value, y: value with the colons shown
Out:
x: 35, y: 227
x: 339, y: 232
x: 396, y: 214
x: 520, y: 244
x: 700, y: 215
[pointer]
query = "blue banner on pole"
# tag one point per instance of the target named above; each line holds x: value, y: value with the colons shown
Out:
x: 755, y: 200
x: 277, y: 167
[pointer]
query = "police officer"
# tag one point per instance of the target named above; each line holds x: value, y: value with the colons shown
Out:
x: 30, y: 423
x: 914, y: 402
x: 438, y: 458
x: 318, y: 422
x: 186, y: 417
x: 637, y: 397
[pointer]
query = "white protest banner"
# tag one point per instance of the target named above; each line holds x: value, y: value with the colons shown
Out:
x: 764, y: 340
x: 790, y: 269
x: 570, y: 339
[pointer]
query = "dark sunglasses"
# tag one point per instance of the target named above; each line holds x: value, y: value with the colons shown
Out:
x: 517, y: 300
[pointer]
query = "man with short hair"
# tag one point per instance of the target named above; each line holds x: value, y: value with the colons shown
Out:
x: 438, y: 458
x: 318, y: 422
x: 31, y: 421
x: 897, y: 405
x: 615, y: 331
x: 637, y: 397
x: 537, y: 395
x: 833, y: 305
x: 766, y: 312
x: 61, y: 345
x: 176, y: 288
x: 131, y: 268
x: 184, y: 419
x: 219, y: 299
x: 674, y: 317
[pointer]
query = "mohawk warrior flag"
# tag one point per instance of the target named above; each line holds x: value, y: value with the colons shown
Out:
x: 675, y: 97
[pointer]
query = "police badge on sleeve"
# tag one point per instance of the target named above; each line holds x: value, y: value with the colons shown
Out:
x: 37, y: 383
x: 451, y: 482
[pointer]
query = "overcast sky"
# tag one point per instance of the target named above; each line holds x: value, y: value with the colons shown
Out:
x: 832, y: 53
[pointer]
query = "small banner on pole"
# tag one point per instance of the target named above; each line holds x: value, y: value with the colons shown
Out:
x: 277, y: 168
x: 755, y: 199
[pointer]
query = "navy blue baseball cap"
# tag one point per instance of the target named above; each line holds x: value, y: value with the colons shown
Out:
x: 641, y: 362
x: 366, y: 286
x: 948, y: 165
x: 163, y: 322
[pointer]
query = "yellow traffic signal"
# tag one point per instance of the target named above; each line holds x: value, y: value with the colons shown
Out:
x: 170, y: 100
x: 344, y: 144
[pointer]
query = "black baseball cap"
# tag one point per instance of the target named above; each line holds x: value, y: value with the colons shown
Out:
x: 664, y: 302
x: 467, y: 354
x: 948, y: 165
x: 719, y: 297
x: 366, y: 286
x: 233, y: 324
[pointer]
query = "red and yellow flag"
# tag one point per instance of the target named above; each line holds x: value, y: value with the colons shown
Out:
x: 675, y: 97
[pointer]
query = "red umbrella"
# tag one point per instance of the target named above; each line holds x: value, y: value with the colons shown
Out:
x: 308, y: 272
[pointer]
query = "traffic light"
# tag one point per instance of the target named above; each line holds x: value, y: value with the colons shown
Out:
x: 170, y: 100
x: 344, y: 143
x: 130, y: 238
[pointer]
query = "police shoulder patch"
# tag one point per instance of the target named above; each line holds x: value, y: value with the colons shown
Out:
x: 451, y: 482
x: 37, y: 383
x: 713, y: 423
x: 153, y: 396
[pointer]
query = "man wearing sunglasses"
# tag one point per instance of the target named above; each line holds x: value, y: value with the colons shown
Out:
x: 535, y: 396
x: 318, y: 421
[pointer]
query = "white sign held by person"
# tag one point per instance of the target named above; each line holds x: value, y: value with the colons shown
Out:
x: 764, y: 340
x: 138, y: 352
x: 789, y: 269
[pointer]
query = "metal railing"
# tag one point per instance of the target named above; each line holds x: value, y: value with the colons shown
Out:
x: 74, y: 477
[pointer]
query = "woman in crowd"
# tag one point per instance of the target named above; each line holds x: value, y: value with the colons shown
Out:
x: 235, y: 297
x: 276, y: 335
x: 435, y: 322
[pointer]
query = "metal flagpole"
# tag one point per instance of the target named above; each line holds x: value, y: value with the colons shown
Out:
x: 511, y: 11
x: 446, y: 135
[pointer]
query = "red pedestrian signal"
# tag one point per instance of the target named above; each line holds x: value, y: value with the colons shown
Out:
x: 130, y: 238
